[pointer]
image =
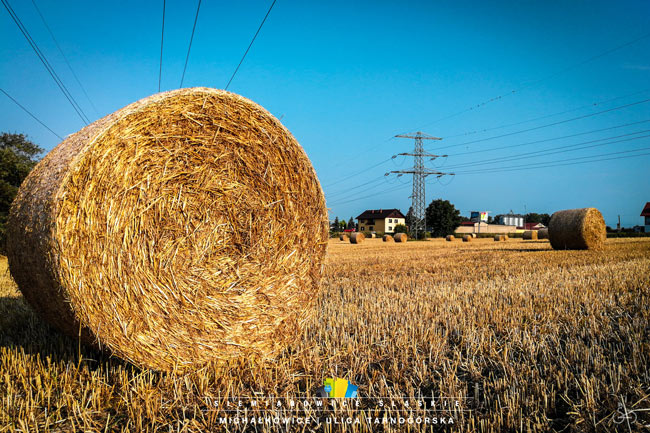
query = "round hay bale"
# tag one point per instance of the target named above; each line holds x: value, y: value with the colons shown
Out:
x: 388, y: 238
x: 400, y: 237
x: 530, y: 235
x: 505, y: 237
x: 344, y: 238
x: 473, y: 235
x: 357, y: 238
x: 372, y: 235
x: 499, y: 238
x: 185, y: 228
x: 577, y: 229
x: 467, y: 238
x: 450, y: 238
x: 542, y: 234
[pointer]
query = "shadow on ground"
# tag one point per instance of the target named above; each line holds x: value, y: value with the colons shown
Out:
x: 22, y: 330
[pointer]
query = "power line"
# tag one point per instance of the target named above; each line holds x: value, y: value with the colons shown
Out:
x: 43, y: 60
x: 250, y: 45
x: 545, y: 116
x: 354, y: 198
x: 187, y: 58
x: 561, y: 162
x: 359, y: 172
x: 549, y: 124
x: 353, y: 188
x: 535, y: 82
x: 550, y: 139
x: 30, y: 113
x: 83, y: 89
x: 162, y: 38
x: 555, y: 150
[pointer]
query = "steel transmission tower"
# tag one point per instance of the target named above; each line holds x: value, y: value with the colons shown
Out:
x: 419, y: 172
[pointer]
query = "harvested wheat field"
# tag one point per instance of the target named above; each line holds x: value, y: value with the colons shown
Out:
x: 526, y: 338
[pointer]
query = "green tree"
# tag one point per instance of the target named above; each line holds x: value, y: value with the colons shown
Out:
x: 351, y: 224
x: 546, y: 218
x: 18, y: 156
x: 400, y: 228
x: 410, y: 217
x: 442, y: 217
x: 335, y: 225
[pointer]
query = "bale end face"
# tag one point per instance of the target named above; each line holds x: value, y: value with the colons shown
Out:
x: 450, y: 238
x: 577, y: 229
x: 357, y: 238
x: 542, y: 234
x: 400, y: 237
x: 344, y: 238
x: 388, y: 238
x: 530, y: 235
x: 467, y: 238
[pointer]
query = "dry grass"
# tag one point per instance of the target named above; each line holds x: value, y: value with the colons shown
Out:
x: 547, y: 340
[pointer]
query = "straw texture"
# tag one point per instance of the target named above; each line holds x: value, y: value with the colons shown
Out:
x: 357, y: 238
x: 400, y: 237
x: 577, y: 229
x: 185, y: 228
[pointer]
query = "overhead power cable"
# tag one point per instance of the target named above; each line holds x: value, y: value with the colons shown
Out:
x: 187, y: 58
x: 593, y: 131
x: 546, y: 116
x: 30, y: 113
x: 558, y: 149
x: 359, y: 172
x: 556, y: 163
x: 162, y: 39
x: 250, y: 45
x: 535, y: 82
x: 43, y: 60
x: 49, y: 30
x: 620, y: 107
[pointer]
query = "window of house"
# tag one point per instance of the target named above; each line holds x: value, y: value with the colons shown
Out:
x: 363, y: 229
x: 390, y: 229
x: 371, y: 228
x: 390, y: 220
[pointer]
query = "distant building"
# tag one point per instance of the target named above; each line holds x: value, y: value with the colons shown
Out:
x: 646, y: 213
x: 380, y: 220
x: 483, y: 227
x: 534, y: 226
x: 511, y: 220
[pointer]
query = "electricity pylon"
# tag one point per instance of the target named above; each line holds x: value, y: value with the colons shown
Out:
x: 419, y: 172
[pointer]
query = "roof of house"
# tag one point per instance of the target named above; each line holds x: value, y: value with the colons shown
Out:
x: 534, y: 226
x: 381, y: 214
x: 646, y: 210
x: 467, y: 223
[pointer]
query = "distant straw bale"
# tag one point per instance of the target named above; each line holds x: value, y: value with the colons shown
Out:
x: 185, y: 228
x: 577, y: 229
x: 450, y: 238
x: 530, y: 235
x: 344, y: 238
x: 542, y: 234
x: 400, y: 237
x: 357, y: 238
x: 467, y: 238
x: 499, y: 238
x: 388, y: 238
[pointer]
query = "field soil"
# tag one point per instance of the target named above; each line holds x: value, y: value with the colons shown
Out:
x: 500, y: 336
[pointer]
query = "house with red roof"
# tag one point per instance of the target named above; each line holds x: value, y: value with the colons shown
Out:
x: 534, y: 226
x: 646, y: 213
x: 380, y: 220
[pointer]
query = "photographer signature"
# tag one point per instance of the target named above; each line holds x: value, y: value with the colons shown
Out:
x: 622, y: 415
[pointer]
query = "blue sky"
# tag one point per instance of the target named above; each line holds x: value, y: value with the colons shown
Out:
x: 347, y: 76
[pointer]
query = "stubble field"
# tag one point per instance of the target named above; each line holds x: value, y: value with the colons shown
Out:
x: 524, y: 337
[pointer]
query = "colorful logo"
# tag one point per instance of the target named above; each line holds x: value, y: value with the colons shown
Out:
x: 337, y: 388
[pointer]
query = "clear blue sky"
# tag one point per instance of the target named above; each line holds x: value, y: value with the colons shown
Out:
x: 347, y: 76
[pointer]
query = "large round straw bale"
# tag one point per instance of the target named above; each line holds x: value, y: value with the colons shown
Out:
x: 542, y: 234
x: 400, y: 237
x: 467, y: 238
x: 577, y: 229
x: 357, y: 238
x: 530, y: 235
x: 343, y: 238
x: 450, y: 238
x: 185, y: 228
x: 388, y: 238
